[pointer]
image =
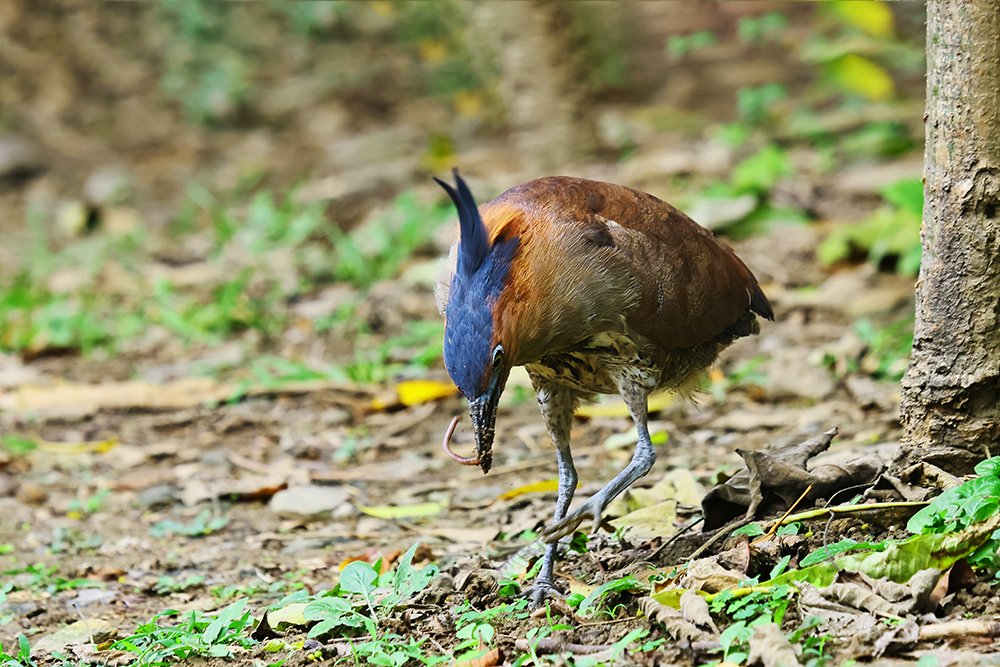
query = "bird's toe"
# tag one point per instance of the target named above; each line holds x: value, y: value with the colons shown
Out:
x: 562, y: 528
x: 542, y: 591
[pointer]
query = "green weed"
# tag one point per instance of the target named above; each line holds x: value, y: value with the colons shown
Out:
x: 845, y: 545
x: 377, y: 250
x: 680, y: 45
x: 17, y: 445
x: 890, y: 236
x: 358, y: 605
x: 33, y: 318
x: 595, y: 603
x: 82, y: 506
x: 961, y: 506
x: 203, y: 524
x: 198, y: 634
x: 22, y: 658
x: 747, y: 195
x: 167, y: 584
x: 41, y: 577
x: 477, y: 628
x: 73, y: 540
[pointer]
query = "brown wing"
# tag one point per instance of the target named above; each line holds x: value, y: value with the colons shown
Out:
x: 692, y: 288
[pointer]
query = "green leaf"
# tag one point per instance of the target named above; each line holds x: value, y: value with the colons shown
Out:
x: 761, y: 171
x: 906, y: 194
x: 837, y: 548
x: 750, y: 530
x: 408, y: 581
x: 358, y: 577
x: 615, y: 585
x: 989, y: 467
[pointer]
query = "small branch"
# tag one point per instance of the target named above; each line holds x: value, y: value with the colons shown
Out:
x: 848, y: 509
x: 774, y: 529
x: 972, y: 627
x: 553, y: 645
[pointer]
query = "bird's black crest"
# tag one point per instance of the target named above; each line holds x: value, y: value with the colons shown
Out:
x: 473, y: 245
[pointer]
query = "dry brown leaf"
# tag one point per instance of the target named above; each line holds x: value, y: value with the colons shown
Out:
x: 770, y: 648
x: 679, y: 627
x: 694, y: 608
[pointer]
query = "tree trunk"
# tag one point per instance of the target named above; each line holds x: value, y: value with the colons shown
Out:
x: 543, y: 94
x: 951, y: 392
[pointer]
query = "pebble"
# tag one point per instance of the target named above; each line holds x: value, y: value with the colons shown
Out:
x: 308, y: 500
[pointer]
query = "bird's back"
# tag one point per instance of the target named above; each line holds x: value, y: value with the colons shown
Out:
x: 685, y: 287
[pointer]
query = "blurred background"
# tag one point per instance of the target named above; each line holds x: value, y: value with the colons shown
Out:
x: 220, y: 240
x: 182, y: 175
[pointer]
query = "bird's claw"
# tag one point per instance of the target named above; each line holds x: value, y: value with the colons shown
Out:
x: 541, y: 591
x: 592, y: 509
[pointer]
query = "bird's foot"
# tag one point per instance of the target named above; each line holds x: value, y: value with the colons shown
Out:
x: 592, y: 509
x: 541, y: 591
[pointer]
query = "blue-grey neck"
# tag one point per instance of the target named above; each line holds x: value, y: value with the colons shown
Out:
x: 469, y: 327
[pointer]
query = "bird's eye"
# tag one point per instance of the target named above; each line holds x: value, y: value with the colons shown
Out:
x: 497, y: 357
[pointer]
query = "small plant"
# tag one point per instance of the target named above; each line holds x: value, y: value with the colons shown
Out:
x: 378, y: 250
x: 16, y: 445
x: 741, y: 206
x: 167, y: 584
x: 845, y: 545
x: 22, y: 658
x: 890, y: 236
x: 595, y: 602
x: 41, y: 577
x: 888, y: 348
x: 476, y: 628
x: 81, y: 507
x: 197, y: 635
x: 358, y: 606
x: 964, y: 505
x: 680, y: 45
x: 203, y: 524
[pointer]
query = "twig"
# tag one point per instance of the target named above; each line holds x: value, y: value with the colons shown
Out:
x: 970, y: 627
x: 673, y: 538
x: 553, y: 645
x: 774, y: 529
x: 613, y: 621
x: 720, y: 533
x: 848, y: 509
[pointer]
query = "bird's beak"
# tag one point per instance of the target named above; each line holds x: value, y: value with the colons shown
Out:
x: 483, y: 411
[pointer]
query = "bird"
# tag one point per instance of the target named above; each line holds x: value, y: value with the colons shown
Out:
x: 594, y: 288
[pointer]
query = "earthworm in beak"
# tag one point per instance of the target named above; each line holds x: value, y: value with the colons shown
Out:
x: 446, y: 444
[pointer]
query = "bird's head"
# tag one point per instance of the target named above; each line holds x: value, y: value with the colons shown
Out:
x: 473, y: 352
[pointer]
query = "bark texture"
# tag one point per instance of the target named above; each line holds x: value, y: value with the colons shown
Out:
x: 540, y: 87
x: 951, y: 392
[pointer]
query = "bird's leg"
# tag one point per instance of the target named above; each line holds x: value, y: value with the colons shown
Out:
x: 642, y: 460
x: 556, y: 404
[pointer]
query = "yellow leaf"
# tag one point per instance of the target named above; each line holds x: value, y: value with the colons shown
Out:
x: 403, y: 511
x: 433, y: 50
x: 871, y: 16
x: 860, y: 75
x: 415, y: 392
x: 545, y: 486
x: 87, y: 447
x: 615, y: 407
x: 468, y: 103
x: 581, y: 587
x: 382, y: 7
